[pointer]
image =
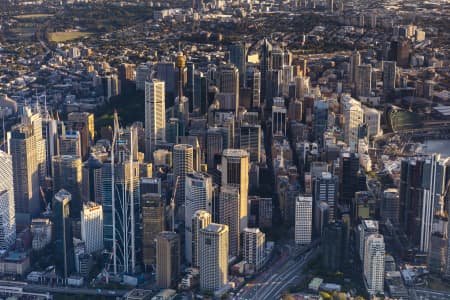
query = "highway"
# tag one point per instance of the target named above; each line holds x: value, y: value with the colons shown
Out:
x: 273, y: 282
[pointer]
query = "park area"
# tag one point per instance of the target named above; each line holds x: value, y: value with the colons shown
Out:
x: 33, y: 16
x: 63, y: 36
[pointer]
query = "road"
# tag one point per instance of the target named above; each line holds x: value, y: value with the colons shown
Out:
x: 271, y: 284
x: 72, y: 290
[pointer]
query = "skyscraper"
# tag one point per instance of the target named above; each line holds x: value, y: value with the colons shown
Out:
x: 326, y: 190
x: 389, y: 75
x: 200, y: 219
x: 374, y: 264
x: 167, y: 259
x: 153, y: 221
x: 199, y: 195
x: 365, y: 229
x: 390, y: 206
x: 353, y: 118
x: 213, y: 257
x: 250, y: 140
x: 7, y: 210
x: 264, y: 66
x: 228, y: 82
x: 183, y: 164
x: 355, y: 61
x: 253, y: 82
x: 349, y: 178
x: 27, y: 148
x: 121, y: 206
x: 333, y: 246
x: 67, y: 175
x: 70, y: 143
x: 303, y: 220
x: 155, y: 115
x: 235, y: 167
x: 363, y: 80
x: 279, y: 119
x: 320, y: 122
x: 238, y: 57
x: 229, y: 207
x: 254, y: 247
x: 83, y: 122
x: 65, y: 256
x: 92, y: 226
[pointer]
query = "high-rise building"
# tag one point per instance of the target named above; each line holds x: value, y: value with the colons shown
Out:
x: 92, y: 227
x: 228, y: 82
x: 333, y: 246
x: 355, y: 61
x: 264, y: 66
x: 326, y: 188
x: 363, y: 80
x: 155, y: 115
x: 67, y: 175
x: 83, y: 122
x: 65, y: 256
x: 7, y: 209
x: 349, y: 183
x: 167, y: 259
x: 215, y: 139
x: 238, y: 57
x: 200, y: 94
x: 253, y: 82
x: 235, y: 167
x: 200, y: 219
x: 121, y: 206
x: 389, y: 75
x: 165, y: 71
x: 27, y: 148
x: 183, y: 164
x: 199, y: 196
x: 422, y: 187
x: 303, y: 220
x: 70, y: 143
x: 254, y: 247
x: 143, y: 73
x: 279, y: 120
x: 390, y: 206
x: 302, y: 84
x: 365, y: 229
x: 320, y: 122
x: 374, y: 264
x: 213, y: 258
x: 153, y: 222
x: 250, y: 140
x: 229, y: 207
x: 91, y: 187
x: 353, y: 118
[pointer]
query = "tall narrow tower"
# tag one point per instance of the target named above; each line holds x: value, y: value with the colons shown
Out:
x: 155, y: 116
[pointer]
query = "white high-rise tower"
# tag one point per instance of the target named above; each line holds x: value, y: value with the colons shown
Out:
x: 7, y: 212
x: 155, y: 115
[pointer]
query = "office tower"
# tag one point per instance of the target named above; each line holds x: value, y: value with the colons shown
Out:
x: 121, y: 206
x: 253, y: 82
x: 167, y: 259
x: 70, y: 143
x: 200, y: 94
x: 326, y: 188
x: 302, y: 86
x: 190, y: 84
x: 213, y: 257
x: 355, y: 61
x: 228, y: 83
x: 197, y: 152
x: 64, y: 251
x: 389, y: 75
x: 333, y: 246
x: 287, y: 76
x: 374, y: 264
x: 437, y: 258
x: 51, y: 136
x: 153, y: 222
x: 91, y: 186
x: 320, y: 122
x: 295, y: 110
x: 423, y: 185
x: 7, y: 213
x: 67, y: 175
x: 183, y: 156
x: 349, y: 168
x: 155, y: 115
x: 235, y: 167
x: 363, y: 80
x: 229, y: 206
x: 331, y: 6
x: 303, y: 220
x: 372, y: 118
x: 363, y: 206
x: 165, y: 71
x: 126, y: 75
x: 390, y: 206
x: 200, y: 220
x: 110, y: 85
x: 264, y: 66
x: 27, y: 148
x: 399, y: 52
x: 92, y: 227
x: 353, y: 118
x: 150, y: 186
x: 214, y: 146
x: 83, y: 122
x: 365, y: 229
x: 279, y: 120
x: 274, y: 84
x: 250, y: 140
x: 254, y: 247
x: 199, y: 194
x: 238, y: 57
x: 277, y: 58
x: 143, y: 73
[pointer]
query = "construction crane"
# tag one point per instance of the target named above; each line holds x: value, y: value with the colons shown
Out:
x: 172, y: 203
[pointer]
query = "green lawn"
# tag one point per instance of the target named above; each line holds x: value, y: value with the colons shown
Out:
x: 34, y: 16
